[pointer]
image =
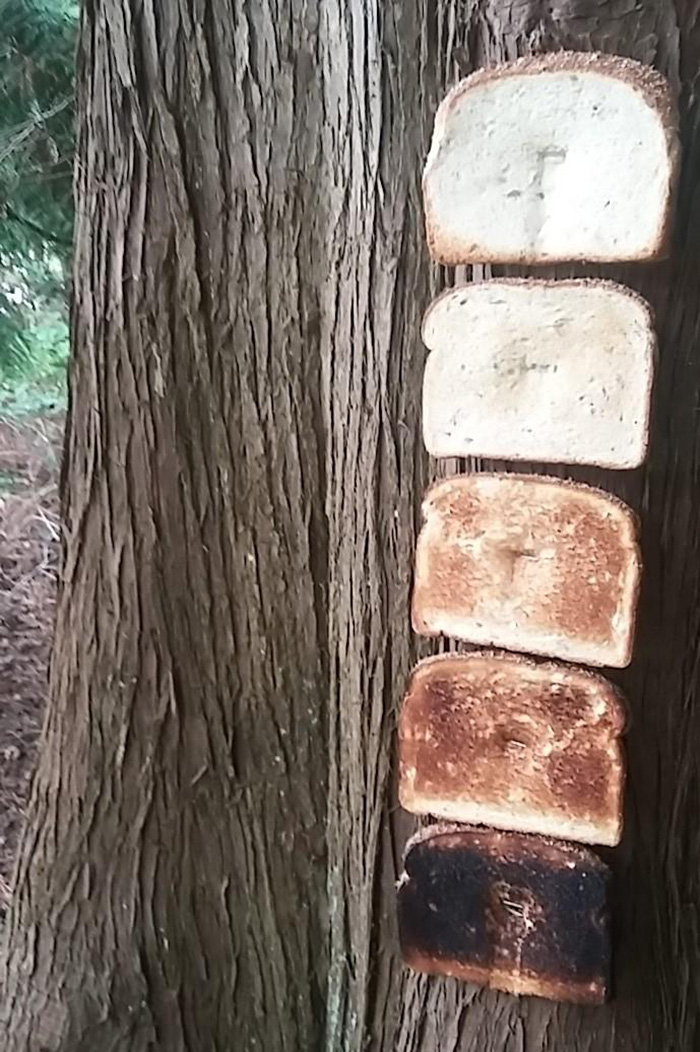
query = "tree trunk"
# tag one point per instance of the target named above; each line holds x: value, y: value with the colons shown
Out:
x: 171, y: 884
x: 213, y: 837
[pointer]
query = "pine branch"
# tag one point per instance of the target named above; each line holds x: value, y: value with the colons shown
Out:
x: 42, y: 232
x: 30, y: 126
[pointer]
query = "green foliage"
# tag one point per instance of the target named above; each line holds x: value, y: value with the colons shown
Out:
x: 37, y: 49
x: 33, y: 364
x: 28, y: 398
x: 33, y: 334
x: 37, y: 53
x: 39, y: 355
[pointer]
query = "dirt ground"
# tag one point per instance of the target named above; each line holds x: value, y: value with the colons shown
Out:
x: 30, y: 453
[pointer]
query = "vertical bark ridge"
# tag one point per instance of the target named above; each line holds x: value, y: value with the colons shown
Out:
x: 377, y: 285
x: 172, y: 879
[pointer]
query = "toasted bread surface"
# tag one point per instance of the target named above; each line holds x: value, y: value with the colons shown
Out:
x: 517, y: 913
x: 530, y: 564
x: 502, y: 740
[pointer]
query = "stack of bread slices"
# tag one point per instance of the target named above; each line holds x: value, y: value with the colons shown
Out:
x: 565, y: 157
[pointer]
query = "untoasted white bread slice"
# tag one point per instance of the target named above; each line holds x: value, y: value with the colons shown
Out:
x: 498, y: 740
x: 528, y: 563
x: 557, y: 371
x: 561, y: 157
x: 513, y: 912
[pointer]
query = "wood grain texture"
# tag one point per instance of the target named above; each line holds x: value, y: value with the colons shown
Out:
x: 214, y: 836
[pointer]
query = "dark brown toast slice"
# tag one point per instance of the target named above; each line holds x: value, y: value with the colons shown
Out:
x: 501, y: 740
x: 528, y: 563
x: 513, y: 912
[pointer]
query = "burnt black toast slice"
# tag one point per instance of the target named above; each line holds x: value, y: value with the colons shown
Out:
x: 510, y: 911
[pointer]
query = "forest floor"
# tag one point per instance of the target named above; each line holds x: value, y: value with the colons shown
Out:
x: 30, y: 454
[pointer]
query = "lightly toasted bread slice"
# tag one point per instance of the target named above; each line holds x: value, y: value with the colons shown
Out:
x: 500, y: 740
x: 558, y: 157
x: 517, y: 913
x: 552, y: 371
x: 528, y: 563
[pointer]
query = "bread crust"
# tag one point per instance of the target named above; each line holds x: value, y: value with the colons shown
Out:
x: 648, y: 82
x: 651, y: 84
x: 499, y: 739
x: 603, y: 285
x: 595, y: 678
x: 443, y: 589
x: 508, y: 982
x: 550, y: 283
x: 496, y: 841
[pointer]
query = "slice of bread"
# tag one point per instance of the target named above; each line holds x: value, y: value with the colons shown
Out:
x: 528, y: 563
x: 499, y: 740
x: 513, y: 912
x: 557, y: 371
x: 561, y: 157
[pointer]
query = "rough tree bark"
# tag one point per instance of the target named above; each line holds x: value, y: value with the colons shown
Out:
x: 171, y: 884
x: 213, y: 837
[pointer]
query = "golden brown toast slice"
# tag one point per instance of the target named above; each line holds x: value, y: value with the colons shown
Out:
x: 528, y: 563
